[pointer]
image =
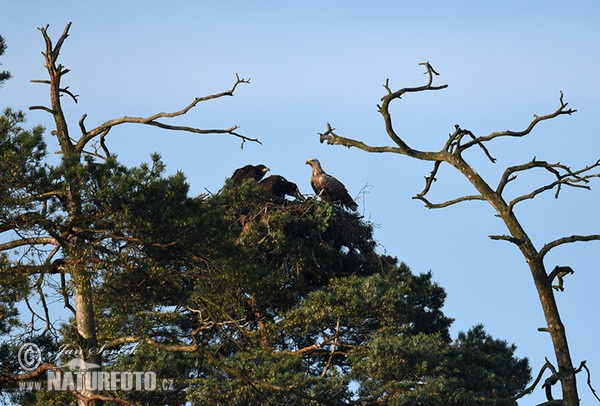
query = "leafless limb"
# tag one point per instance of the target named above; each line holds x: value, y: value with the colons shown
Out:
x: 33, y: 313
x: 508, y: 238
x: 29, y: 375
x: 447, y: 203
x: 28, y: 241
x: 403, y: 148
x: 40, y: 291
x: 207, y: 323
x: 44, y: 108
x: 332, y: 138
x: 589, y: 378
x: 564, y: 176
x: 559, y: 272
x: 103, y: 129
x: 547, y: 365
x: 64, y: 90
x: 65, y: 293
x: 333, y: 348
x: 561, y: 110
x: 567, y: 240
x: 57, y: 71
x: 453, y: 144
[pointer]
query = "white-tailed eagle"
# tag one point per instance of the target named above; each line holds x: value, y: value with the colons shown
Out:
x: 249, y: 172
x: 278, y: 186
x: 329, y: 188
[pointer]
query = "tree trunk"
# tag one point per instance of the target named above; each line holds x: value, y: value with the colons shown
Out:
x: 541, y: 279
x: 86, y: 326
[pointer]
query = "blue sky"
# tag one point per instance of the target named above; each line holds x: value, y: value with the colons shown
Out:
x: 314, y: 62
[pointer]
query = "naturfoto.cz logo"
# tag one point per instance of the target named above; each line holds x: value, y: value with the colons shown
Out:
x: 78, y: 375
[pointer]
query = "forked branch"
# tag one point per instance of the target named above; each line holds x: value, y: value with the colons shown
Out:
x: 402, y: 147
x: 332, y: 138
x: 56, y: 71
x: 560, y: 272
x: 563, y: 174
x: 561, y: 110
x: 153, y: 120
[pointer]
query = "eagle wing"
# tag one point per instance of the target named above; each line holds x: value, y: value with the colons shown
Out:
x: 249, y: 172
x: 279, y: 186
x: 332, y: 190
x: 242, y: 173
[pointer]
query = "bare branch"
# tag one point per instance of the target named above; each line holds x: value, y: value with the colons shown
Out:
x: 64, y: 90
x: 430, y: 205
x: 29, y: 375
x: 431, y: 178
x: 530, y: 389
x: 333, y: 348
x: 561, y: 110
x: 508, y: 238
x: 456, y: 138
x: 28, y: 241
x: 59, y: 43
x: 589, y: 378
x: 333, y: 139
x: 65, y: 293
x: 429, y: 182
x: 44, y: 108
x: 103, y: 129
x: 568, y: 240
x: 560, y: 272
x: 563, y: 174
x: 43, y: 302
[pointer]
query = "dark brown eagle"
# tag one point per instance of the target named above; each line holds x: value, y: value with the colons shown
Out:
x: 278, y: 186
x: 249, y: 172
x: 329, y: 188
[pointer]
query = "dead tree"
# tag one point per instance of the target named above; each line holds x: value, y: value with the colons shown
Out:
x: 461, y: 140
x: 67, y: 240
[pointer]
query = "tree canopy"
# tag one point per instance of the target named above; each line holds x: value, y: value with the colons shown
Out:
x: 228, y: 298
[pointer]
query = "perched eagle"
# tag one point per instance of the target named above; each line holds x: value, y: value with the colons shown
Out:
x: 329, y: 188
x: 249, y: 172
x: 278, y: 186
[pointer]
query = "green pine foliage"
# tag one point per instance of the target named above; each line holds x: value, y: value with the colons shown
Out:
x: 233, y: 298
x: 4, y: 75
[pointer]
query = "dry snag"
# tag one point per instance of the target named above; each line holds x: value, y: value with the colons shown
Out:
x: 461, y: 140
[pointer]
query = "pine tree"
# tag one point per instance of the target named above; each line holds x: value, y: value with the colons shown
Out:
x: 230, y: 298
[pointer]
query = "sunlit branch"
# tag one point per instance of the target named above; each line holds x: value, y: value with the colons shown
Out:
x: 40, y: 292
x: 567, y: 240
x: 333, y: 348
x: 333, y: 139
x: 402, y: 148
x: 29, y: 375
x: 447, y: 203
x: 508, y: 238
x: 103, y: 129
x: 28, y: 241
x: 537, y: 119
x: 564, y: 176
x: 547, y: 365
x: 64, y: 290
x: 64, y: 90
x: 589, y: 377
